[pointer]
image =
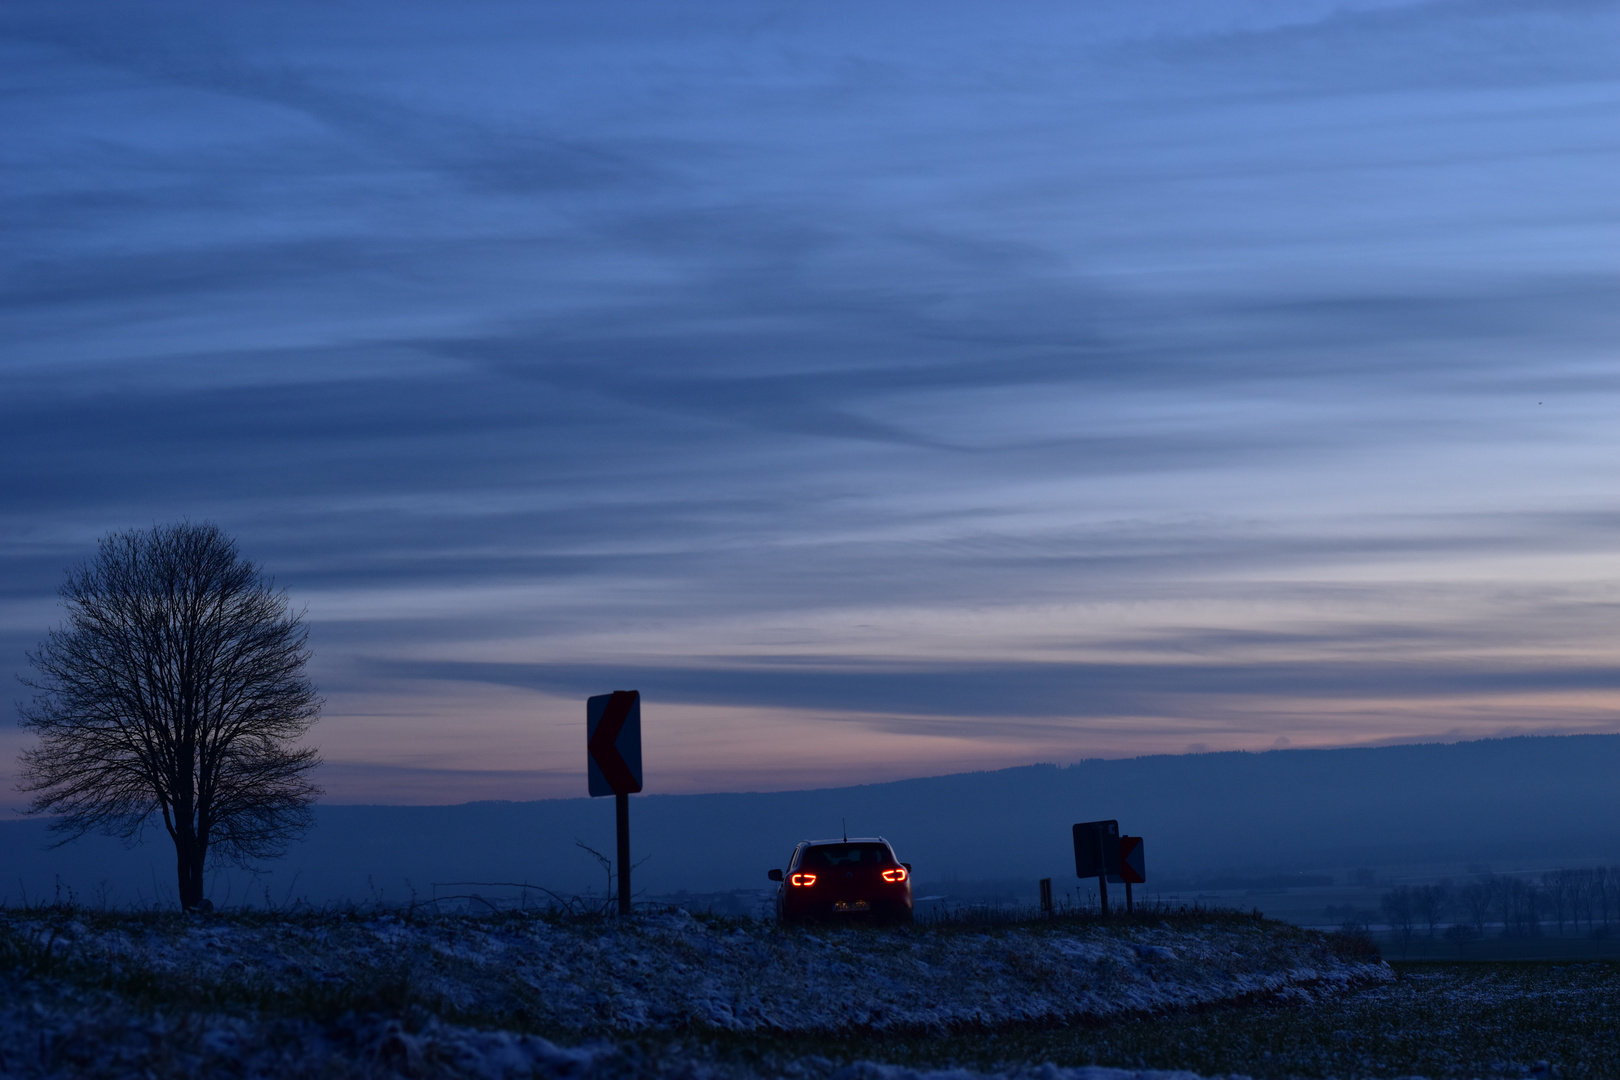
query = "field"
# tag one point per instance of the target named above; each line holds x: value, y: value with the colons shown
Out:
x: 1436, y: 1020
x: 672, y: 995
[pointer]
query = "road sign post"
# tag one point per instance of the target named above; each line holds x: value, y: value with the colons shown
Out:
x: 621, y: 816
x: 613, y: 765
x: 1096, y: 854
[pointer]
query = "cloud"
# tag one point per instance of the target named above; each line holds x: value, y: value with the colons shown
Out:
x: 1019, y: 690
x: 1409, y: 46
x: 1127, y: 363
x: 175, y: 49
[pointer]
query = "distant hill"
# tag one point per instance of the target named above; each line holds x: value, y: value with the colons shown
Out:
x: 1523, y: 802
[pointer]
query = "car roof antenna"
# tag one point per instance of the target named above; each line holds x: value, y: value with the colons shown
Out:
x: 845, y: 823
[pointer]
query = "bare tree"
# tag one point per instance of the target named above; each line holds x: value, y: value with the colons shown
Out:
x: 1589, y: 882
x: 1477, y: 898
x: 1558, y: 888
x: 177, y: 688
x: 1400, y: 913
x: 1522, y: 904
x: 1430, y: 904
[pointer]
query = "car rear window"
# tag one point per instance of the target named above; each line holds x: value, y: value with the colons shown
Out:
x: 829, y: 855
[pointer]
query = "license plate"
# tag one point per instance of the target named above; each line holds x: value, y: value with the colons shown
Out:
x: 848, y: 905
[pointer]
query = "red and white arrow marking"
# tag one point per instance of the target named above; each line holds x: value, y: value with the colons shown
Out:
x: 602, y: 748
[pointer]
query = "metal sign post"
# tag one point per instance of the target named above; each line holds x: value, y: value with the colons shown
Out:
x: 613, y: 765
x: 621, y: 816
x: 1096, y: 854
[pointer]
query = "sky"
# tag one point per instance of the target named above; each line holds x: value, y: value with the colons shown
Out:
x: 883, y: 390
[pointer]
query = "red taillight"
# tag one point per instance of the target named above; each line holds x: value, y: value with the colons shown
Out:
x: 898, y: 874
x: 802, y: 879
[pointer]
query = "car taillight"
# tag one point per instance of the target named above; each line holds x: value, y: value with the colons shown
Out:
x: 897, y: 874
x: 802, y: 879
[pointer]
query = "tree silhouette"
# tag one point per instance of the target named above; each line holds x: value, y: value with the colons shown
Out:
x: 1477, y: 899
x: 1400, y: 912
x: 176, y: 688
x: 1430, y: 904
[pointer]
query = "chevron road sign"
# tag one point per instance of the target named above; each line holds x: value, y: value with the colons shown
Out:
x: 613, y: 742
x: 1132, y: 868
x: 613, y: 765
x: 1132, y: 861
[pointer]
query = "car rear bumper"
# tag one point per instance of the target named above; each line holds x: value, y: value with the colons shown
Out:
x: 854, y: 910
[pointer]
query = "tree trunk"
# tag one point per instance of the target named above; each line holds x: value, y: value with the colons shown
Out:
x: 189, y: 852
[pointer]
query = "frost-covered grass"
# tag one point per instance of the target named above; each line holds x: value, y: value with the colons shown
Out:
x: 1436, y: 1020
x: 458, y: 995
x: 676, y: 972
x: 675, y: 997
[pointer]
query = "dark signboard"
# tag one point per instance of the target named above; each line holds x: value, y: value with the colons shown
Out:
x: 1096, y: 848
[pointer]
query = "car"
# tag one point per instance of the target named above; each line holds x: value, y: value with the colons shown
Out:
x: 857, y: 880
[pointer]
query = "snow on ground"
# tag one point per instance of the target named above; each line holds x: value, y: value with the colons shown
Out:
x: 107, y: 995
x: 677, y: 971
x: 102, y: 1040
